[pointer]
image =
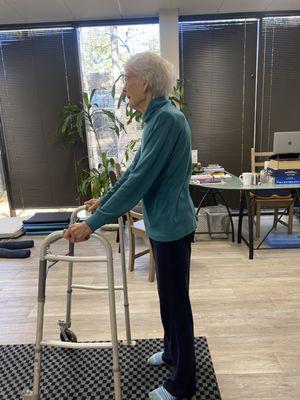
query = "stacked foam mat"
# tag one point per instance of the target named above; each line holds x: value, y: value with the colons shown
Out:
x: 39, y: 224
x: 45, y: 223
x: 15, y: 249
x: 11, y: 227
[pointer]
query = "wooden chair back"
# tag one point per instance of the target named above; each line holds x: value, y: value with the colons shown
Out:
x: 256, y: 158
x: 136, y: 228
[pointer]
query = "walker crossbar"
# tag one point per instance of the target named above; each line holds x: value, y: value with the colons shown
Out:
x: 82, y: 345
x: 68, y: 338
x: 53, y: 257
x: 86, y: 287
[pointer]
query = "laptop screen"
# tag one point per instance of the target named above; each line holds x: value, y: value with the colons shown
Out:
x: 286, y: 142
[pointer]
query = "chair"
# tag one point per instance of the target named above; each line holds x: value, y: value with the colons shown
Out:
x: 275, y: 201
x: 136, y: 228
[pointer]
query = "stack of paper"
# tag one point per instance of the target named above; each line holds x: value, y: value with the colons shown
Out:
x: 211, y: 168
x: 205, y: 178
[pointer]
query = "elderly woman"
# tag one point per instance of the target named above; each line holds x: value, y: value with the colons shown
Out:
x: 159, y: 176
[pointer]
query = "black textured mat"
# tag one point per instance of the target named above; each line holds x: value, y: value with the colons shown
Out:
x: 87, y: 374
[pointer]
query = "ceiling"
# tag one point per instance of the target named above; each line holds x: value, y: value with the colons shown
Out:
x: 34, y: 11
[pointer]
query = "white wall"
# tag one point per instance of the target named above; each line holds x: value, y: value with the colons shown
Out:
x: 169, y: 41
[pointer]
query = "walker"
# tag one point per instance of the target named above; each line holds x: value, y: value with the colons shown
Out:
x: 68, y: 338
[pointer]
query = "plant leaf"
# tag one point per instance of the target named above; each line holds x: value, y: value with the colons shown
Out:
x: 92, y: 95
x: 121, y: 100
x: 109, y: 113
x: 86, y: 101
x: 113, y: 90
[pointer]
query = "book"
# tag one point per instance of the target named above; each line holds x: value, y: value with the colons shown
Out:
x: 205, y: 178
x: 201, y: 176
x: 284, y: 164
x: 211, y: 168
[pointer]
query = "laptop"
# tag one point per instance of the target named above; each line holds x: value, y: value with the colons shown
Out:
x: 286, y: 142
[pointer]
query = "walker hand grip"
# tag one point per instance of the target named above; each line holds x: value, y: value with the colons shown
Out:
x: 86, y: 238
x: 76, y: 211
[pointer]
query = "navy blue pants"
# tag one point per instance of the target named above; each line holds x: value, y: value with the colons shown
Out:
x: 172, y: 264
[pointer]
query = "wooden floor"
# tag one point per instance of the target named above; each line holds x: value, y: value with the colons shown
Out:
x: 249, y: 310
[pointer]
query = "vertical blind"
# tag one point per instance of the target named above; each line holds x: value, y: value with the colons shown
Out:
x: 218, y: 62
x: 39, y: 74
x: 279, y: 79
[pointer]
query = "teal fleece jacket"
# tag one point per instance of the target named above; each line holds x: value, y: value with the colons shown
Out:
x: 159, y: 176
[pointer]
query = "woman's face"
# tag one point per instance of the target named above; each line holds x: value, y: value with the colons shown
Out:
x: 135, y: 88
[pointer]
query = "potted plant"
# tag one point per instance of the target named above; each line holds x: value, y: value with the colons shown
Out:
x: 76, y: 119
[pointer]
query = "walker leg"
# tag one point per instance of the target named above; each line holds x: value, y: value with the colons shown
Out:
x: 69, y: 287
x: 125, y: 285
x: 35, y: 393
x: 113, y: 327
x: 66, y: 335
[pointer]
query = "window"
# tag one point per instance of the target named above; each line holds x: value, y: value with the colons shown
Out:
x: 103, y: 52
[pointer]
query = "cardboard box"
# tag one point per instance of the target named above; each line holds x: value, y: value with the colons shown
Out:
x: 286, y: 176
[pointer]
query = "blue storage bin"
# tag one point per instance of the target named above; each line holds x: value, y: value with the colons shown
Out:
x: 283, y: 240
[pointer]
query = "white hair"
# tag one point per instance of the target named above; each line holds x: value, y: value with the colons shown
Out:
x: 158, y: 72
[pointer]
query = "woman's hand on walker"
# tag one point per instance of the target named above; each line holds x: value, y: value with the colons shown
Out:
x: 77, y: 232
x: 93, y: 204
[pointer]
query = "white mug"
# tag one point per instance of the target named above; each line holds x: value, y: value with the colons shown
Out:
x: 246, y: 178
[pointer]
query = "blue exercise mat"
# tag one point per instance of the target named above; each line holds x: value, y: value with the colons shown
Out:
x: 37, y: 233
x: 49, y: 217
x: 283, y: 240
x: 34, y: 227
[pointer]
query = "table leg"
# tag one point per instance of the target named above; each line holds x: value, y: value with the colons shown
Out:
x: 250, y: 224
x: 241, y: 213
x: 214, y: 196
x: 202, y: 201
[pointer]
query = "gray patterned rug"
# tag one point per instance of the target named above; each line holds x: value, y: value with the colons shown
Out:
x: 87, y: 374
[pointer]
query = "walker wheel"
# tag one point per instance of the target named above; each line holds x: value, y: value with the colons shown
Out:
x: 66, y: 335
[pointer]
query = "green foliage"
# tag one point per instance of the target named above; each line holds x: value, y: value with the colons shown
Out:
x: 177, y: 99
x: 71, y: 127
x: 75, y: 118
x: 117, y: 125
x: 129, y: 149
x: 196, y: 168
x: 96, y: 179
x: 129, y: 112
